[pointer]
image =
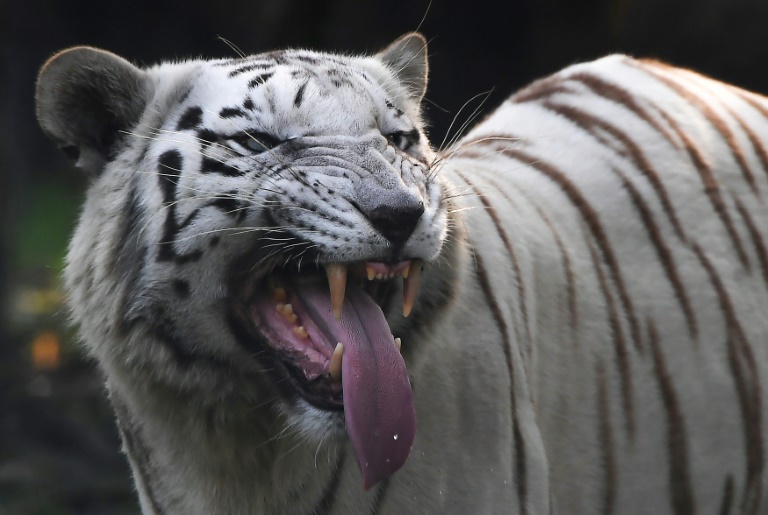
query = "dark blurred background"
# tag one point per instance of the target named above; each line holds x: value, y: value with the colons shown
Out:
x: 58, y: 447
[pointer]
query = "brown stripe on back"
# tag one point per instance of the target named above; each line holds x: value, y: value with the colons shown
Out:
x: 634, y: 153
x: 623, y: 97
x: 754, y: 141
x: 543, y: 88
x: 677, y: 439
x: 662, y: 251
x: 748, y: 390
x: 757, y: 239
x: 711, y: 188
x: 752, y: 99
x: 565, y: 258
x: 520, y: 476
x: 622, y: 354
x: 676, y: 84
x: 605, y: 430
x: 519, y: 284
x: 592, y: 220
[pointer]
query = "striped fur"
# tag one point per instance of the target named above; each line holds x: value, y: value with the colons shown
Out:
x: 589, y: 337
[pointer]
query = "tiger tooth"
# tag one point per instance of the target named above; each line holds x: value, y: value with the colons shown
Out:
x: 370, y: 271
x: 398, y: 344
x: 280, y: 308
x: 300, y: 331
x: 293, y: 318
x: 405, y: 271
x: 337, y: 281
x: 410, y: 287
x: 334, y: 370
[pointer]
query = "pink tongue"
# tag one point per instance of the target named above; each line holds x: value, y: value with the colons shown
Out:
x: 378, y: 403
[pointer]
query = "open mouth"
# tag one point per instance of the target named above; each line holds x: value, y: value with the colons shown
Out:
x: 323, y: 332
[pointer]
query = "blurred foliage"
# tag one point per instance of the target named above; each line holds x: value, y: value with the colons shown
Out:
x: 41, y: 234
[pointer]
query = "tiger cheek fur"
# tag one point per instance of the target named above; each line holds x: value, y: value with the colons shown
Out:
x: 585, y: 276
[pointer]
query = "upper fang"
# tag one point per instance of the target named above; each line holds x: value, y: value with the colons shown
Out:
x: 337, y: 281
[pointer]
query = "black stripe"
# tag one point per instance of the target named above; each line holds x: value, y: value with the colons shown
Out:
x: 677, y: 439
x: 181, y: 288
x: 250, y: 67
x: 169, y: 170
x: 231, y: 206
x: 210, y: 165
x: 325, y: 505
x: 191, y: 119
x: 231, y: 112
x: 260, y: 79
x: 300, y: 95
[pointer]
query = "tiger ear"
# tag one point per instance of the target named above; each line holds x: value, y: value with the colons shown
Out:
x: 407, y: 58
x: 86, y: 98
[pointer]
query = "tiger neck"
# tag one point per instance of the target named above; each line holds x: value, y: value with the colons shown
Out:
x: 232, y: 457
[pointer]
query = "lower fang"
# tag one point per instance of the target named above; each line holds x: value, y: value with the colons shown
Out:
x: 398, y: 344
x: 334, y: 370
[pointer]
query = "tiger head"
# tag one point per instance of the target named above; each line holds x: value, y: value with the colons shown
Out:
x: 244, y: 217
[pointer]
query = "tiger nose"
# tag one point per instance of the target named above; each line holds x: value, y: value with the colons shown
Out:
x: 396, y: 223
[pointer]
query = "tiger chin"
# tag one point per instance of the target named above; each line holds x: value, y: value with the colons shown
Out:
x: 299, y: 306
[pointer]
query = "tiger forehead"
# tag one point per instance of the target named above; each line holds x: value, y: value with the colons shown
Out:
x: 286, y: 90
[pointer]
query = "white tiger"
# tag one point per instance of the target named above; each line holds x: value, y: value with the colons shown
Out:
x: 590, y: 331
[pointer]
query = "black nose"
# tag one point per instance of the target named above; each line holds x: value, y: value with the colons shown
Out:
x: 396, y: 223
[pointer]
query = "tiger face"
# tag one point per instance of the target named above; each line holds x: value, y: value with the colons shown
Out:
x: 251, y: 226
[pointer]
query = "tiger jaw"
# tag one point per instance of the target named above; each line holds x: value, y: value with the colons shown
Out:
x: 333, y: 345
x: 375, y: 278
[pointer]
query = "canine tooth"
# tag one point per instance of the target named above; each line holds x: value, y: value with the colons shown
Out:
x: 280, y: 308
x: 337, y: 281
x: 410, y: 287
x: 398, y: 343
x: 379, y: 276
x: 404, y: 272
x: 334, y: 370
x: 288, y: 310
x: 371, y: 272
x: 279, y: 294
x: 293, y: 318
x: 300, y: 331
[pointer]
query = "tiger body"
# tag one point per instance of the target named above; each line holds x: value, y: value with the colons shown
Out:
x: 588, y: 333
